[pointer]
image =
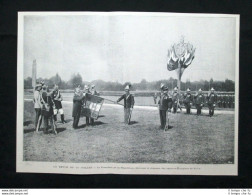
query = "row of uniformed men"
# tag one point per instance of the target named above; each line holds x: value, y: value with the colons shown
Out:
x: 167, y: 102
x: 226, y: 101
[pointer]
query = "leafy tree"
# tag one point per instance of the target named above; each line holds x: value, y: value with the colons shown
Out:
x: 75, y: 80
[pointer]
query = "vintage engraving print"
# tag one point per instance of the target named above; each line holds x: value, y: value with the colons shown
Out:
x: 127, y: 93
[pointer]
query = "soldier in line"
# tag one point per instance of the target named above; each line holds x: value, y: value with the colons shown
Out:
x: 233, y: 101
x: 175, y: 99
x: 224, y: 101
x: 163, y: 105
x: 220, y: 101
x: 77, y: 103
x: 57, y: 98
x: 199, y: 101
x: 211, y: 100
x: 229, y: 101
x: 128, y: 104
x: 188, y: 98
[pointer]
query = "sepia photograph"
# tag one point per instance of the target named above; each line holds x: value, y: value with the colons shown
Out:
x: 127, y: 93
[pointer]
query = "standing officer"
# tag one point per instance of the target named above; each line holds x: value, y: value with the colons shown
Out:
x: 163, y: 105
x: 199, y: 100
x: 57, y: 98
x: 188, y: 101
x: 128, y: 104
x: 175, y: 99
x: 211, y: 99
x: 77, y: 103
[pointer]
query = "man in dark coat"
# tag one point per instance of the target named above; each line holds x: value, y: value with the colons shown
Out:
x: 188, y: 101
x: 128, y: 104
x: 77, y: 103
x: 211, y: 100
x: 57, y: 98
x: 199, y: 101
x: 163, y: 105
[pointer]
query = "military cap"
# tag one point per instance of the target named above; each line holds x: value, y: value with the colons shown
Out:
x: 127, y: 88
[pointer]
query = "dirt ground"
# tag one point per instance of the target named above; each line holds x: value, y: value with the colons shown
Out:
x: 190, y: 138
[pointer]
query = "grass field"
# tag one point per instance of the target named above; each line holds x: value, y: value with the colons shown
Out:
x: 190, y: 138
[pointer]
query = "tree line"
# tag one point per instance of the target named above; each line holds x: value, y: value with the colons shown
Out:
x: 76, y: 79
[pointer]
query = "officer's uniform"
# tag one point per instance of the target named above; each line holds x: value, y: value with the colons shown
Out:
x: 128, y: 104
x: 229, y: 101
x: 188, y: 101
x: 57, y: 98
x: 77, y: 103
x: 212, y: 99
x: 163, y: 107
x: 199, y: 101
x: 224, y: 102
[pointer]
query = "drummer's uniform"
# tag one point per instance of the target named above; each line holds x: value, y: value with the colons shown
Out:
x: 128, y: 104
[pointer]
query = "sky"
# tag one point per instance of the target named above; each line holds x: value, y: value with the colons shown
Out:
x: 127, y: 48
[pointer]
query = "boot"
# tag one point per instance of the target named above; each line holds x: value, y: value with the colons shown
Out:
x: 62, y: 118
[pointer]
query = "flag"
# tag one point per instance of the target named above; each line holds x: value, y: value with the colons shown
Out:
x: 91, y: 106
